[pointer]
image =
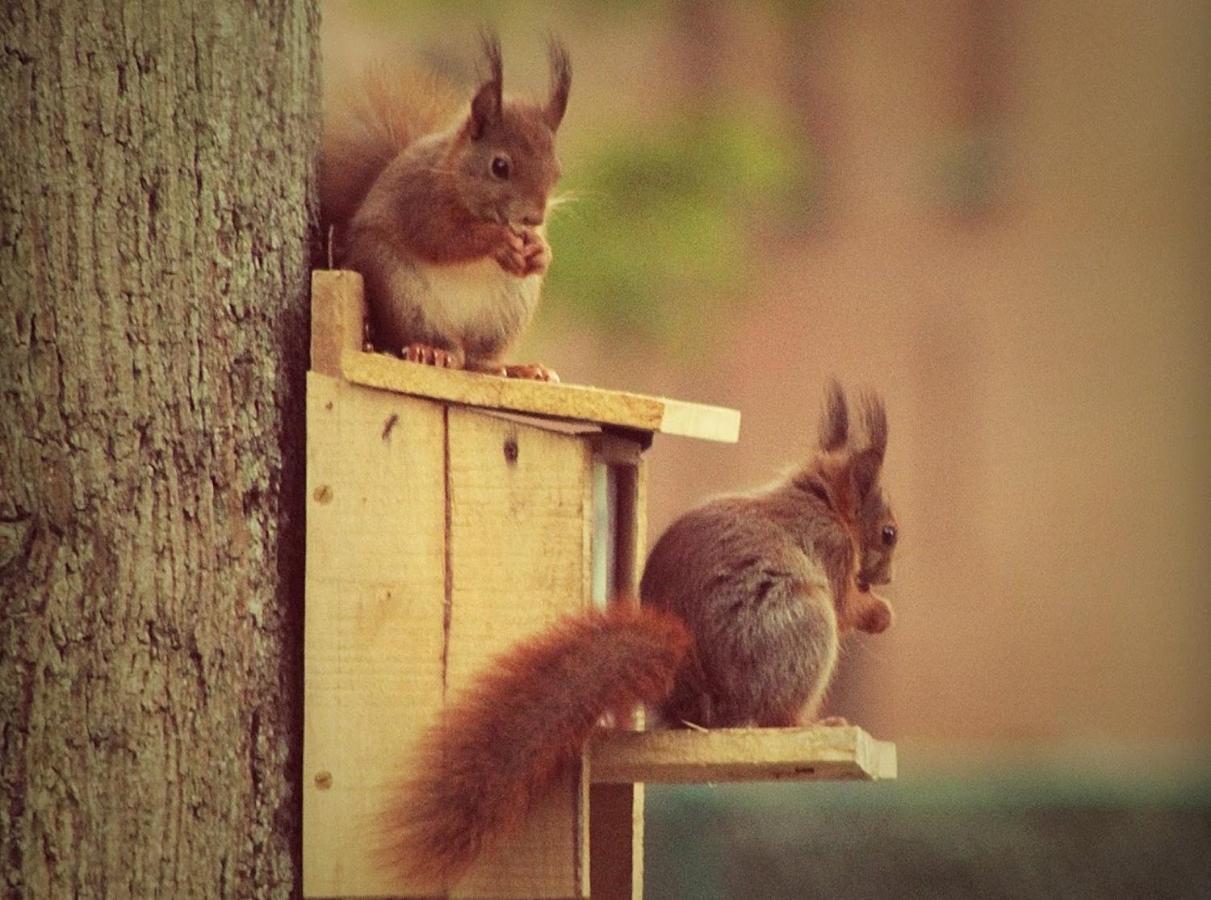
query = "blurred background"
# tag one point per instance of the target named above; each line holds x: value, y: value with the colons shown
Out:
x: 994, y: 213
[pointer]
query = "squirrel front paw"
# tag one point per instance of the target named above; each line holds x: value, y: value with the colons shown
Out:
x: 511, y: 253
x: 523, y: 253
x: 537, y: 253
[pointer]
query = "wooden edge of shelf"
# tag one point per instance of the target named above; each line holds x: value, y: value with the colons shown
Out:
x: 338, y: 315
x: 685, y: 756
x: 565, y: 401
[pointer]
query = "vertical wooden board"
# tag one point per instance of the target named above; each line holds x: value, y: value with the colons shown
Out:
x: 519, y: 556
x: 616, y: 810
x: 338, y: 318
x: 604, y: 539
x: 616, y: 841
x: 374, y: 618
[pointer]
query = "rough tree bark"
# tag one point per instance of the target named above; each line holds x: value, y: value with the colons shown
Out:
x: 155, y: 219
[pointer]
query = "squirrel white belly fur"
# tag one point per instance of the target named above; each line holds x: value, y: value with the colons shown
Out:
x: 479, y: 301
x: 744, y: 601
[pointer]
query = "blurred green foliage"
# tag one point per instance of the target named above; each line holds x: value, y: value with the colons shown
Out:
x: 967, y: 172
x: 1036, y: 833
x: 659, y: 227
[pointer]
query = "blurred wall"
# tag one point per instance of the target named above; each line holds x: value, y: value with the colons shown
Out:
x: 1007, y: 240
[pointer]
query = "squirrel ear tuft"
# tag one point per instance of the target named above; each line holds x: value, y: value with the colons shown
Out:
x: 561, y: 82
x: 864, y: 470
x: 488, y: 101
x: 868, y: 462
x: 874, y: 422
x: 834, y: 424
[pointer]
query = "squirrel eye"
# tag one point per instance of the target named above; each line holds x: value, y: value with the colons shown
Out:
x: 889, y: 535
x: 500, y: 167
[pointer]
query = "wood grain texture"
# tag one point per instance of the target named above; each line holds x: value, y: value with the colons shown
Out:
x: 338, y: 317
x: 519, y: 558
x: 569, y: 401
x: 154, y: 226
x: 742, y: 754
x: 376, y: 593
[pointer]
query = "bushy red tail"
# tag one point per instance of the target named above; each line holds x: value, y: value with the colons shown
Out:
x: 368, y: 123
x: 503, y: 742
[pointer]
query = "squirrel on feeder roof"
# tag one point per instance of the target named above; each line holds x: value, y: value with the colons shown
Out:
x: 442, y: 209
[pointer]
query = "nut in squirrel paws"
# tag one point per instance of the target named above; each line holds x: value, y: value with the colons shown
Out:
x: 432, y: 356
x: 523, y: 252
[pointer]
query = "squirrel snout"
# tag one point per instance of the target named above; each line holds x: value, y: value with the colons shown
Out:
x: 527, y: 211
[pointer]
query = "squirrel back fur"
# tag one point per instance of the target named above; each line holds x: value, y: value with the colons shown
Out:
x: 519, y: 726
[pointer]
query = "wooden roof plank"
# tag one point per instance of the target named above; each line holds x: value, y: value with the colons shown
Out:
x: 566, y: 401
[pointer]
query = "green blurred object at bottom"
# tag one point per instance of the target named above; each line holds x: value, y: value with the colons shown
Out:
x: 1018, y: 836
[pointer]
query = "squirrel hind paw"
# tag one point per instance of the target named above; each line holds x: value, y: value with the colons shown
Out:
x: 531, y: 371
x: 429, y: 355
x: 831, y: 722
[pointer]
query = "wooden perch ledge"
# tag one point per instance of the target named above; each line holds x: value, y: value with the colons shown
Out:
x: 741, y: 754
x: 338, y: 314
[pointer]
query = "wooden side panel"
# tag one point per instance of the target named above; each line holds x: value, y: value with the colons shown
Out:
x: 519, y: 558
x: 375, y: 594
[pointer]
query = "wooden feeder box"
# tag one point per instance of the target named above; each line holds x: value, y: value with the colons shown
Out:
x: 449, y: 515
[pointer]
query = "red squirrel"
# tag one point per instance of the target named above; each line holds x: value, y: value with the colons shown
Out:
x: 744, y: 601
x: 441, y: 207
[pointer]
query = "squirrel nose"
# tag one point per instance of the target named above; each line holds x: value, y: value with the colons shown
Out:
x: 532, y: 218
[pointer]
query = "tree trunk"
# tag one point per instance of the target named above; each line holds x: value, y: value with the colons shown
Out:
x: 155, y: 216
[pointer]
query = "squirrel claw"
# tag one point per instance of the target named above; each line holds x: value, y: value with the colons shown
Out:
x: 831, y: 722
x: 532, y: 371
x: 430, y: 356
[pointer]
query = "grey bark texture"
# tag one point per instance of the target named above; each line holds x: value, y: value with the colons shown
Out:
x: 156, y: 206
